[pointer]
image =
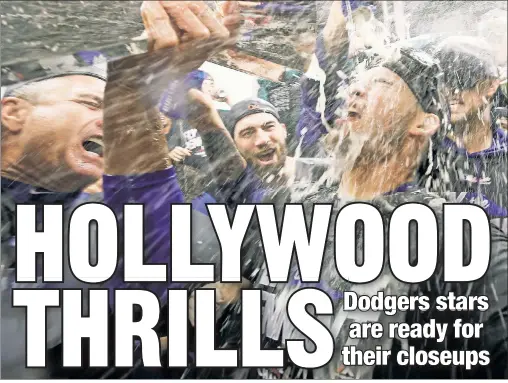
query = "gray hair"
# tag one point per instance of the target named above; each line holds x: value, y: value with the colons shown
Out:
x: 30, y: 92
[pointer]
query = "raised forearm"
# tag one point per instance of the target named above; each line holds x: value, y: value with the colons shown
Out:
x: 133, y: 138
x: 335, y: 34
x: 226, y: 161
x: 132, y: 127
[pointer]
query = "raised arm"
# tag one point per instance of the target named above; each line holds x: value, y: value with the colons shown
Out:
x: 332, y: 49
x: 182, y: 35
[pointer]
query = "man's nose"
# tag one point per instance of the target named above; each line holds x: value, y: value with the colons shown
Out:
x: 99, y: 122
x: 356, y: 90
x: 262, y: 138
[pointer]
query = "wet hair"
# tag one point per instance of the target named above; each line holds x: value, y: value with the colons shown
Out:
x: 32, y: 88
x: 30, y: 92
x: 425, y: 78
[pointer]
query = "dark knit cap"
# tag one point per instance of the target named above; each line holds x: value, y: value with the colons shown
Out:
x: 421, y: 73
x: 424, y: 77
x: 246, y: 108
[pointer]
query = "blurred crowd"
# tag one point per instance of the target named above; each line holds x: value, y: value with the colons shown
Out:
x: 389, y: 122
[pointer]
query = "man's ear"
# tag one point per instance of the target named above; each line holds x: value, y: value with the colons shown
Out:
x: 14, y: 113
x: 491, y: 88
x: 285, y: 129
x: 428, y: 126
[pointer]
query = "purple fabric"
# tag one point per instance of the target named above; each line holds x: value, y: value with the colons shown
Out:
x: 321, y: 53
x: 157, y: 192
x: 481, y: 164
x: 490, y: 207
x: 402, y: 188
x: 248, y: 188
x: 89, y: 56
x: 173, y: 102
x: 499, y: 145
x: 310, y: 127
x: 309, y: 124
x: 24, y: 193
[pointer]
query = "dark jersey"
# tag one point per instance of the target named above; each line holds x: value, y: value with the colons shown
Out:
x: 276, y: 328
x: 480, y: 178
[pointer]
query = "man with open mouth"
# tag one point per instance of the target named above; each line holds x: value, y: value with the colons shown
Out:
x: 255, y: 127
x: 52, y: 149
x: 260, y: 137
x: 52, y: 132
x: 396, y: 108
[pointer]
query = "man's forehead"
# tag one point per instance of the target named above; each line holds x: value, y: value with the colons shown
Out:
x: 87, y: 85
x: 75, y: 85
x: 375, y: 73
x: 256, y: 119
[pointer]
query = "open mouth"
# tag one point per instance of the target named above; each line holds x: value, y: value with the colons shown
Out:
x: 352, y: 115
x: 94, y: 145
x: 456, y: 106
x: 266, y: 156
x: 455, y: 101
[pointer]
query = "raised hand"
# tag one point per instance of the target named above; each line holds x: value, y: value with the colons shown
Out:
x: 178, y: 154
x: 202, y: 114
x: 181, y: 35
x: 190, y: 24
x: 335, y: 32
x: 225, y: 160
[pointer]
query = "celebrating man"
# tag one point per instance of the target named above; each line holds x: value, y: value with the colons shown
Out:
x: 395, y: 106
x: 52, y: 148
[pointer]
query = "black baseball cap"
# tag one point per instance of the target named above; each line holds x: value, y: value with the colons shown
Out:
x: 246, y: 108
x: 466, y: 61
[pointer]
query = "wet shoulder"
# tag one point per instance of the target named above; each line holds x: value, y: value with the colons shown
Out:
x: 385, y: 203
x: 388, y: 203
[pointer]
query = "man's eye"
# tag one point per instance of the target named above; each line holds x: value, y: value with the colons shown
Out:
x: 269, y: 127
x: 91, y: 104
x: 385, y: 82
x: 246, y: 134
